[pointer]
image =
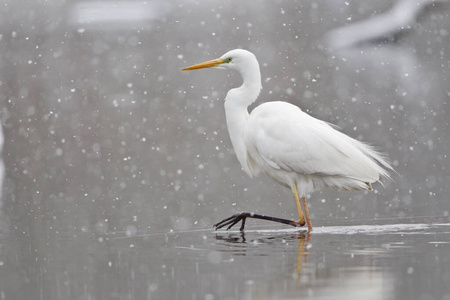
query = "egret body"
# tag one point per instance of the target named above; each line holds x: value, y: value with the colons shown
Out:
x: 294, y: 149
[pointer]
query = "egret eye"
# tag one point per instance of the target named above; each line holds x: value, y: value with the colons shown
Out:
x: 227, y: 60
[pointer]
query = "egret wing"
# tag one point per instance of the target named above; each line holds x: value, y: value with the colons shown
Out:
x: 282, y: 136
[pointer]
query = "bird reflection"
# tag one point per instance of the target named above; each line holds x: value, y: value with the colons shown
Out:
x: 239, y: 241
x: 302, y: 253
x: 235, y: 238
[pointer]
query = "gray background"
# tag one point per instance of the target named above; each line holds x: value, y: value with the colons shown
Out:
x: 106, y: 136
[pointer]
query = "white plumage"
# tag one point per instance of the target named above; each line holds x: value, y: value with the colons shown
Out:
x: 296, y: 150
x: 288, y: 144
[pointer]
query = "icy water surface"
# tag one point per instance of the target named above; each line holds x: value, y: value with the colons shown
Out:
x: 398, y: 261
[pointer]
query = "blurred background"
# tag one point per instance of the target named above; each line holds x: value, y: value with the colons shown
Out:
x: 104, y: 134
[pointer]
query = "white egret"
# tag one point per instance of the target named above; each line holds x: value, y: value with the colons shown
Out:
x: 294, y: 149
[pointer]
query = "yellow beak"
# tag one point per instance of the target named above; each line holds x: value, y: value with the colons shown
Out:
x: 206, y: 64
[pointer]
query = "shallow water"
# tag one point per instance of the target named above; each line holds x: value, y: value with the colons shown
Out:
x: 392, y: 261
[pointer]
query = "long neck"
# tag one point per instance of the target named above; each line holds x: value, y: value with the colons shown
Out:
x: 236, y: 104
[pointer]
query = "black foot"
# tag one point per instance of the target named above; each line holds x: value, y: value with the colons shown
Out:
x: 234, y: 219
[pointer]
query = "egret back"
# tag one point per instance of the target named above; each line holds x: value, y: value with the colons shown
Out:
x: 291, y: 146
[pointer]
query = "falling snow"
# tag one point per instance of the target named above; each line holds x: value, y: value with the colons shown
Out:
x: 109, y: 150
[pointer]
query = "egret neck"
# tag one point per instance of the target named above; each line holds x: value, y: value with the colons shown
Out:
x: 236, y: 112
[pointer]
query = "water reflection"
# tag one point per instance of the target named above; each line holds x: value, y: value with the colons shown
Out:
x: 234, y: 240
x: 359, y: 277
x: 359, y: 261
x: 369, y: 262
x: 302, y: 256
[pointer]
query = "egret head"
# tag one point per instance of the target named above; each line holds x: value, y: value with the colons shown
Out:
x: 237, y: 59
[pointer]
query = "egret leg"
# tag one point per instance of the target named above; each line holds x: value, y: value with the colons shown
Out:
x: 301, y: 217
x: 308, y: 220
x: 236, y: 218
